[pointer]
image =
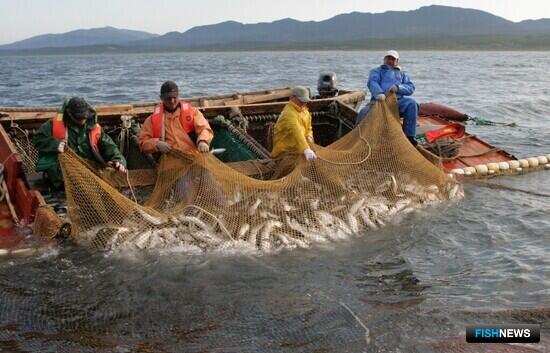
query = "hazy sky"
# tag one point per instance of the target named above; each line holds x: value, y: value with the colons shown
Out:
x: 20, y: 19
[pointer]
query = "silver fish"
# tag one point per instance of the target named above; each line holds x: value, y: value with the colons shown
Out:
x: 267, y: 214
x: 142, y: 240
x: 266, y: 233
x: 194, y: 220
x: 352, y: 222
x: 368, y: 222
x: 254, y: 207
x: 287, y: 207
x: 149, y: 218
x: 243, y: 230
x: 333, y: 226
x: 203, y: 237
x: 432, y: 189
x: 453, y: 191
x: 252, y: 237
x: 314, y: 204
x: 356, y: 206
x: 305, y: 232
x: 393, y: 184
x: 283, y: 238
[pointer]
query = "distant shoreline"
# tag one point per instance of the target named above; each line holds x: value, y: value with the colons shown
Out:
x: 461, y: 43
x: 64, y: 51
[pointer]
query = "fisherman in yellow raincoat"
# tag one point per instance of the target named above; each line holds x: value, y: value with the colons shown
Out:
x: 293, y: 132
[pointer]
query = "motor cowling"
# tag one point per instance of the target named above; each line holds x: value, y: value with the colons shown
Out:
x: 326, y: 85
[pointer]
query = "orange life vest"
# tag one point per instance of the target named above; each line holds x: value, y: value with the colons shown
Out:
x: 452, y: 130
x: 59, y: 131
x: 186, y: 118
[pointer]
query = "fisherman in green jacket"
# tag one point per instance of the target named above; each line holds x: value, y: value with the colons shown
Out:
x: 75, y: 127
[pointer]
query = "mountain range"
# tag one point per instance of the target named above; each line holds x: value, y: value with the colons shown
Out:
x: 81, y: 37
x: 429, y: 27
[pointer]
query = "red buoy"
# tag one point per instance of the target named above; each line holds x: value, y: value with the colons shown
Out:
x: 443, y: 111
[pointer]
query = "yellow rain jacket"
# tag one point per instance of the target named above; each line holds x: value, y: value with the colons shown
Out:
x: 291, y: 130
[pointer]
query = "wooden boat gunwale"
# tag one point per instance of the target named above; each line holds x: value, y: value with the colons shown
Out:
x: 27, y: 200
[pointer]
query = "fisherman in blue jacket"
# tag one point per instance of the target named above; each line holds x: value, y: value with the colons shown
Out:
x: 389, y: 78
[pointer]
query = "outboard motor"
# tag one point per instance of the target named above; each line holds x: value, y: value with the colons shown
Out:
x: 326, y: 85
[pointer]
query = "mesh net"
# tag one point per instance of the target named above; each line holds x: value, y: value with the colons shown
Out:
x: 357, y: 183
x: 46, y: 222
x: 27, y: 151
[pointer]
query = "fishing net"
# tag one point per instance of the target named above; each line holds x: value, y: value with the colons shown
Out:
x: 358, y: 182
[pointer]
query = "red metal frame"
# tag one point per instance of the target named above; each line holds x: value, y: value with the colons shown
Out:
x: 24, y: 200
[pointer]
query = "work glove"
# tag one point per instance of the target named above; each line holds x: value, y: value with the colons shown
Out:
x: 309, y: 154
x: 118, y: 166
x: 394, y: 88
x: 163, y: 147
x: 61, y: 147
x: 203, y: 147
x: 381, y: 97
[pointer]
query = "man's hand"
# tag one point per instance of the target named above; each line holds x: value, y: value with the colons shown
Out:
x: 118, y: 166
x: 310, y: 140
x: 394, y: 89
x: 163, y: 147
x: 381, y: 97
x: 203, y: 147
x: 61, y: 147
x: 309, y: 154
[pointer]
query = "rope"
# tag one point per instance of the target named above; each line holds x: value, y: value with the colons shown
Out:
x: 216, y: 218
x: 446, y: 148
x: 4, y: 192
x: 130, y: 186
x: 254, y: 163
x: 25, y: 133
x: 490, y: 185
x: 352, y: 163
x: 485, y: 122
x: 8, y: 157
x: 367, y: 332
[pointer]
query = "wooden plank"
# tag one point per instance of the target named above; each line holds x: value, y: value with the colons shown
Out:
x: 114, y: 109
x: 267, y: 97
x: 110, y: 114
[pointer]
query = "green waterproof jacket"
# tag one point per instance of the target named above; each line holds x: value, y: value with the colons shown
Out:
x: 78, y: 141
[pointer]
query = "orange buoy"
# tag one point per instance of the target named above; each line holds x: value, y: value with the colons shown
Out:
x: 443, y: 111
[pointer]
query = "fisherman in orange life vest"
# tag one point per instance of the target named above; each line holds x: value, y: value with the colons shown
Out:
x: 175, y: 124
x: 75, y: 127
